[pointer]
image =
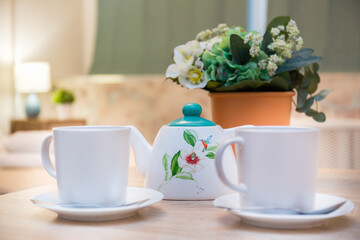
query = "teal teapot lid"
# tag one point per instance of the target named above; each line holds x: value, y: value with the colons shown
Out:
x: 192, y: 117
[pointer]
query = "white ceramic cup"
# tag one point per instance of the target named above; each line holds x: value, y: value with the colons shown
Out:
x: 277, y: 166
x: 92, y: 163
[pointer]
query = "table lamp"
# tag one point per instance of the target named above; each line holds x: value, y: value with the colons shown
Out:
x: 32, y: 77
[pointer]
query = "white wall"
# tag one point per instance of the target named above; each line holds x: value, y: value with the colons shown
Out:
x: 61, y: 32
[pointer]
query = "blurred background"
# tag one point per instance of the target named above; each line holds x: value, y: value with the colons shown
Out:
x: 112, y: 56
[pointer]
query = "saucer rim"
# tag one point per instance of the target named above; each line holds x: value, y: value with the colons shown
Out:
x: 71, y: 210
x: 346, y: 208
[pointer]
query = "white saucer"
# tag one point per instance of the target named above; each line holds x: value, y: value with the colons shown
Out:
x: 286, y: 221
x: 101, y: 214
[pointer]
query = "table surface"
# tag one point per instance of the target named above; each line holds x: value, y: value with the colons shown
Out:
x: 20, y: 219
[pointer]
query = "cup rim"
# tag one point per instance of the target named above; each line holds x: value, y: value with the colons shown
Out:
x: 92, y: 128
x: 277, y: 129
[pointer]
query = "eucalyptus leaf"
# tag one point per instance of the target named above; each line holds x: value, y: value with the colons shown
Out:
x: 301, y: 97
x: 307, y: 105
x: 185, y: 176
x: 310, y: 112
x: 298, y: 62
x: 303, y: 52
x: 319, y: 117
x: 315, y: 67
x: 307, y: 78
x: 175, y: 168
x: 321, y: 95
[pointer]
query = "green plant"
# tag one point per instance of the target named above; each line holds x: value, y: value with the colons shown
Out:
x: 62, y: 96
x: 231, y: 59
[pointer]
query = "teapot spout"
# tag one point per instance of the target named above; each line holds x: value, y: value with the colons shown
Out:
x: 142, y: 150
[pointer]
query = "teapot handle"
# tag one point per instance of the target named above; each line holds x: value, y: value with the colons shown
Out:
x: 142, y: 150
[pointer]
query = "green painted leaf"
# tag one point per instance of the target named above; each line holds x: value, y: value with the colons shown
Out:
x: 190, y: 137
x: 210, y: 155
x: 239, y: 50
x: 307, y: 105
x: 185, y: 176
x: 212, y: 148
x: 320, y: 117
x: 165, y: 162
x: 321, y: 95
x: 175, y: 168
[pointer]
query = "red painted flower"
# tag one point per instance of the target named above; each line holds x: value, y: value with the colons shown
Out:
x: 192, y: 159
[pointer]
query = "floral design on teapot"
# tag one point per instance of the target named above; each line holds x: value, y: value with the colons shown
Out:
x: 187, y: 161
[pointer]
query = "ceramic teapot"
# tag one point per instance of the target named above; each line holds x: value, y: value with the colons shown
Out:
x: 181, y: 163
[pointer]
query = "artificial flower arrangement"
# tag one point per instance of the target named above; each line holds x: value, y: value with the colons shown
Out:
x: 232, y: 60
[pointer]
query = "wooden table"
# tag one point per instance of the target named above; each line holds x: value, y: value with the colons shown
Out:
x: 20, y: 219
x: 42, y: 124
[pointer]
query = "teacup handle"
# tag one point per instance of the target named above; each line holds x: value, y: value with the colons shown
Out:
x: 219, y: 166
x: 45, y: 156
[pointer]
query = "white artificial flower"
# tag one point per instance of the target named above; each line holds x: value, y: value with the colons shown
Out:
x: 248, y: 37
x: 174, y: 70
x: 193, y: 76
x: 271, y: 67
x: 254, y: 50
x: 262, y: 64
x: 281, y: 27
x: 276, y: 59
x: 281, y: 37
x: 204, y: 35
x: 207, y: 45
x: 184, y: 57
x: 187, y: 53
x: 220, y: 29
x: 256, y: 40
x: 275, y: 31
x: 299, y: 43
x: 292, y: 28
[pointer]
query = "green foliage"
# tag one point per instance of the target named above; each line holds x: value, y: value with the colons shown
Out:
x: 62, y: 96
x: 228, y: 65
x: 267, y: 38
x: 239, y: 50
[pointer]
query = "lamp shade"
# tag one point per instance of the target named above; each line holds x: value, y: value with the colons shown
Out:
x: 32, y: 77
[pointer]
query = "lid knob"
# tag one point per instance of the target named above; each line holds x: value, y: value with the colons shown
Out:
x: 192, y: 117
x: 192, y: 110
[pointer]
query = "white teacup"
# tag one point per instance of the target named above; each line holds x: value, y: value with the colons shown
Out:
x: 92, y: 163
x: 277, y: 166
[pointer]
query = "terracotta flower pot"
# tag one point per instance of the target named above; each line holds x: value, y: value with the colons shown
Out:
x: 233, y: 109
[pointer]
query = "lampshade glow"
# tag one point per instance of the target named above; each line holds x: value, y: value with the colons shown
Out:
x: 32, y: 77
